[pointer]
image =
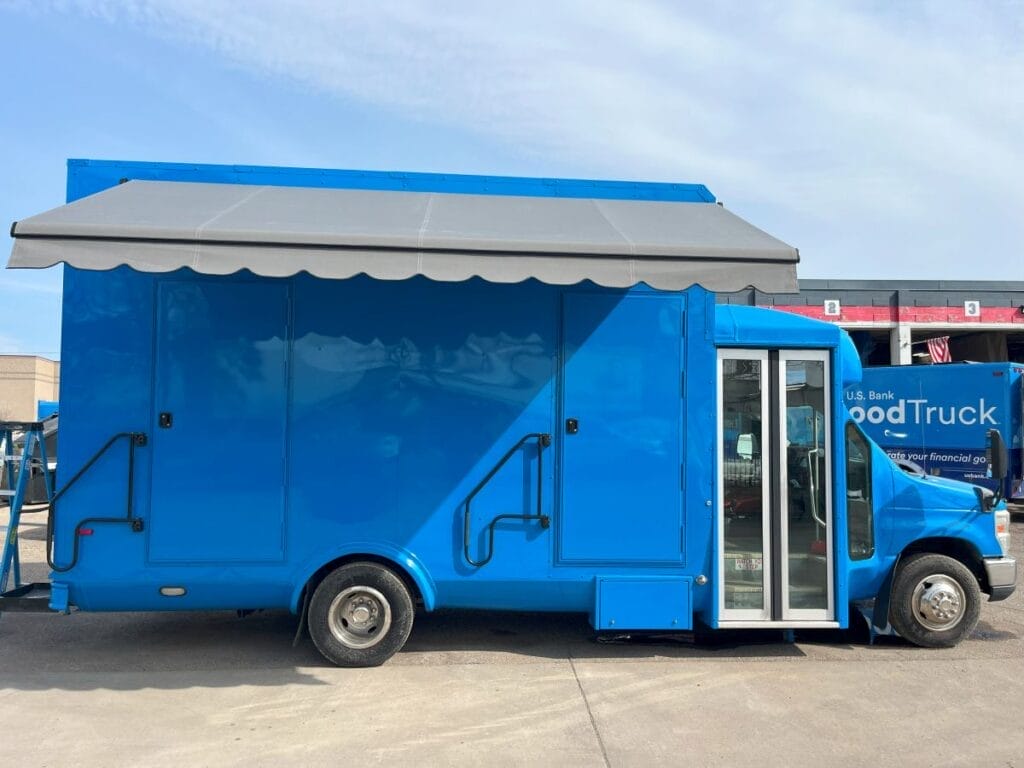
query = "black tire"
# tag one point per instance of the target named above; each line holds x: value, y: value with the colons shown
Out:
x: 361, y: 615
x: 956, y: 610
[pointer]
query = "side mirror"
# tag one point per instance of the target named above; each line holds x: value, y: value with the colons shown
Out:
x: 995, y: 455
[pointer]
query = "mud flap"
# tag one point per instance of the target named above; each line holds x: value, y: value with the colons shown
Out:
x: 880, y: 614
x: 303, y: 614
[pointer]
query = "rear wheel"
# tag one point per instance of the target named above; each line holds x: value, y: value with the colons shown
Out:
x: 361, y: 615
x: 936, y: 601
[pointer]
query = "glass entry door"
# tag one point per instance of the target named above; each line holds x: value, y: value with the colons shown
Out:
x: 775, y: 511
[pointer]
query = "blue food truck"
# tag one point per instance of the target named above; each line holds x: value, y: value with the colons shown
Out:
x: 936, y: 417
x: 354, y: 394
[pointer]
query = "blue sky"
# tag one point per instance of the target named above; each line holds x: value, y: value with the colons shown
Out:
x: 882, y: 139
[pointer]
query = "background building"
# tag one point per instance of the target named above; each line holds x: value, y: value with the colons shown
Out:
x: 24, y: 381
x: 891, y: 321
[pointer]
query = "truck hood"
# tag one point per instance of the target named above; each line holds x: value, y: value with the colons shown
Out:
x: 937, y: 492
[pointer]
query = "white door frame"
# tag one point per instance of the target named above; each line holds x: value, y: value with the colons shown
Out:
x: 746, y: 614
x: 806, y: 614
x: 790, y: 617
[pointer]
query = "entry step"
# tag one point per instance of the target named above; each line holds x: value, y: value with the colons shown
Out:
x: 28, y: 598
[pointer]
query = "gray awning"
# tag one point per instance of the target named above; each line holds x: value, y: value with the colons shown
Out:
x: 160, y: 226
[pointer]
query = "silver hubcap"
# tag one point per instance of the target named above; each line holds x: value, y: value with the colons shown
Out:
x: 938, y: 602
x: 359, y: 617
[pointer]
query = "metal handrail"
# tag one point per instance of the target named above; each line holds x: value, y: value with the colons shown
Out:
x: 543, y: 441
x: 814, y: 478
x: 135, y: 439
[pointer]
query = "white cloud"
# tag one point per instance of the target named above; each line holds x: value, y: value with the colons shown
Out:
x: 849, y: 129
x: 45, y: 284
x: 12, y: 345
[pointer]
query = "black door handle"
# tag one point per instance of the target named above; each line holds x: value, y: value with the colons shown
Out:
x: 165, y: 420
x: 572, y: 426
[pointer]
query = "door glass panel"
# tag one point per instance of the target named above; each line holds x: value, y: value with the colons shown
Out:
x: 743, y: 440
x: 806, y: 484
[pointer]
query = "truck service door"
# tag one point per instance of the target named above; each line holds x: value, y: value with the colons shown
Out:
x: 775, y: 542
x: 621, y: 437
x: 218, y: 434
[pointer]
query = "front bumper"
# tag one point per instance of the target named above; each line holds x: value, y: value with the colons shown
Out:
x: 1002, y: 577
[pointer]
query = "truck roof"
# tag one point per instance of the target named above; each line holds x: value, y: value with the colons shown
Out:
x: 396, y: 181
x: 742, y: 326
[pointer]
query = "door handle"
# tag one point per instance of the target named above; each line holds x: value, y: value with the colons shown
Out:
x: 572, y: 426
x: 165, y: 420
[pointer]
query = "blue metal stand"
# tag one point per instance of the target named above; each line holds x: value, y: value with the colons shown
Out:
x: 15, y: 475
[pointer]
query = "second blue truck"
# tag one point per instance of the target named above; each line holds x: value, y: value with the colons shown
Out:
x: 937, y: 416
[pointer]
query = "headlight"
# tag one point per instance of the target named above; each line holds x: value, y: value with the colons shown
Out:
x: 1002, y: 521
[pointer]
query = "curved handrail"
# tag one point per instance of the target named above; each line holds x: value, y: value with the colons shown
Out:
x: 135, y: 439
x: 543, y: 441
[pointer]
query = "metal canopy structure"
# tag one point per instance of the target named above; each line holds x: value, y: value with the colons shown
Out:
x: 278, y: 231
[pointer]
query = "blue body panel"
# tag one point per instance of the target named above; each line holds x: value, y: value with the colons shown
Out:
x: 210, y: 340
x: 937, y: 416
x: 909, y: 509
x: 652, y: 602
x: 312, y: 420
x: 627, y: 399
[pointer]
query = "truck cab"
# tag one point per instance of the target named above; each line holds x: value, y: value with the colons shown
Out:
x: 800, y: 485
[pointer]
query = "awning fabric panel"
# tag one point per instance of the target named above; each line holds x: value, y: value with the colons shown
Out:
x: 158, y: 226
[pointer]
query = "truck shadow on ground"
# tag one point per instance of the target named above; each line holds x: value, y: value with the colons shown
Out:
x: 216, y: 649
x: 128, y: 651
x: 477, y: 636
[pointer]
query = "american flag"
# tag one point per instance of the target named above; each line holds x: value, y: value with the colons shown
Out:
x: 938, y: 348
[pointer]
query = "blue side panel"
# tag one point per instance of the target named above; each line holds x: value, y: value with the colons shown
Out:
x: 622, y: 474
x: 700, y: 428
x: 397, y: 415
x: 643, y: 603
x: 221, y: 380
x: 106, y: 386
x: 88, y: 176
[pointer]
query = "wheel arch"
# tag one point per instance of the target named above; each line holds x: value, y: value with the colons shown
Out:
x: 950, y: 546
x: 405, y: 565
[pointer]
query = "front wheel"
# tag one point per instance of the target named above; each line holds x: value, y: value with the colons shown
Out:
x: 361, y: 615
x: 935, y: 602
